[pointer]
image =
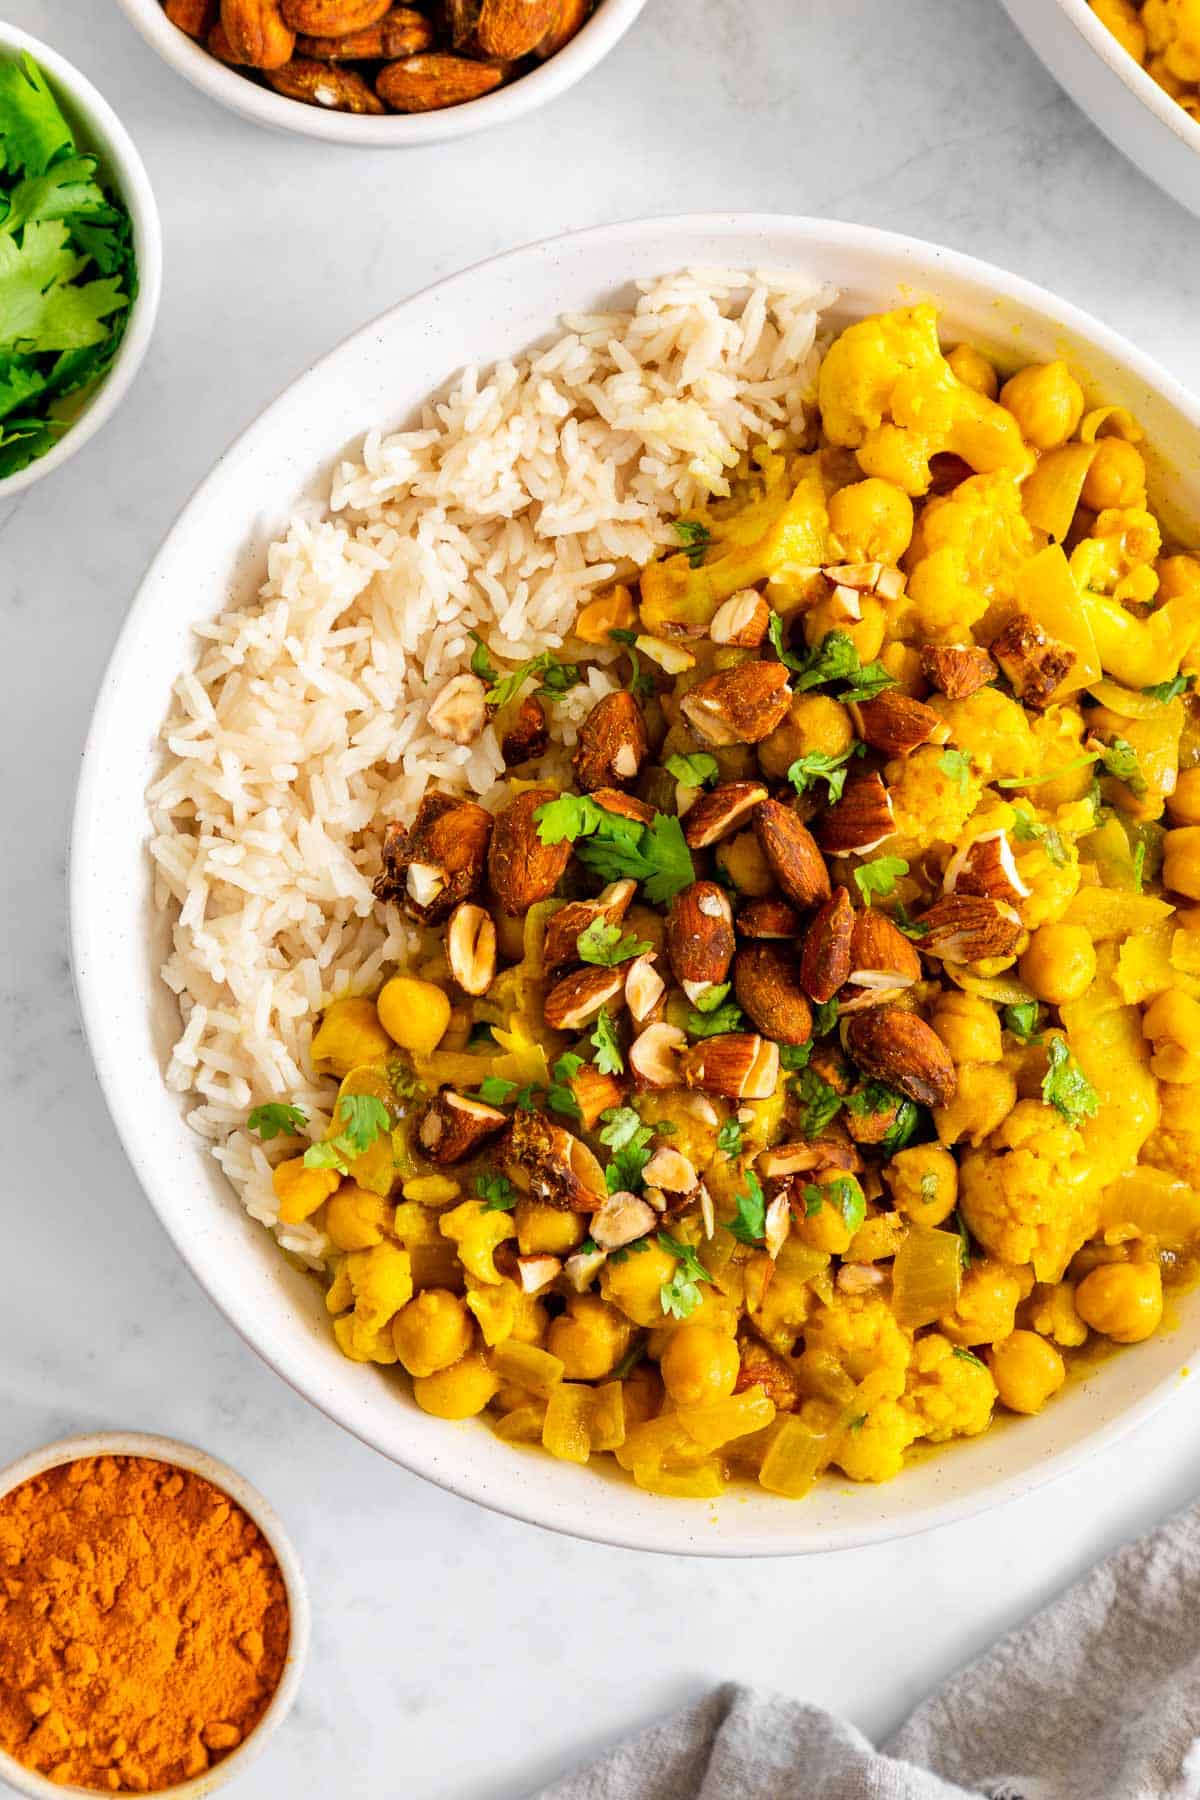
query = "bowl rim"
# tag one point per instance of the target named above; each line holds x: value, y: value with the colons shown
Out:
x: 138, y: 195
x: 927, y: 262
x: 607, y: 25
x: 257, y: 1507
x: 1142, y: 86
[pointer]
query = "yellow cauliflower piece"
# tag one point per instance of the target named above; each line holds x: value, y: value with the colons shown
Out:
x: 1058, y: 735
x: 381, y: 1282
x: 861, y: 1333
x: 477, y: 1232
x: 1051, y: 875
x: 951, y: 1392
x: 987, y: 1305
x: 1119, y: 556
x: 964, y: 559
x: 1051, y: 1312
x: 1027, y: 1194
x: 994, y: 729
x: 1173, y: 32
x: 873, y: 1449
x: 886, y: 391
x: 929, y: 804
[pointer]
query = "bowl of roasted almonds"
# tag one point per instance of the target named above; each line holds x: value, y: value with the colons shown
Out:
x: 374, y: 72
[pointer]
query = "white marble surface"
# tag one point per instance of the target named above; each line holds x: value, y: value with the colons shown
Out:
x: 456, y: 1653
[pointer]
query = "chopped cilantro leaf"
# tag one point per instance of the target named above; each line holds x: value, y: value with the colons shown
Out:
x: 956, y: 764
x: 1169, y: 690
x: 844, y: 1194
x: 604, y: 1041
x: 622, y: 1130
x: 1139, y: 864
x: 712, y: 997
x: 834, y: 659
x: 825, y: 1017
x: 639, y: 684
x: 901, y: 1129
x: 879, y: 876
x: 276, y: 1120
x: 964, y: 1238
x: 712, y: 1024
x: 1120, y: 760
x: 968, y: 1357
x: 363, y: 1119
x: 694, y: 535
x: 778, y: 643
x: 693, y: 771
x: 1066, y: 1087
x: 816, y: 766
x: 1027, y: 830
x: 929, y: 1188
x: 749, y: 1223
x: 497, y: 1192
x: 1024, y: 781
x: 729, y: 1139
x: 495, y: 1091
x: 872, y: 679
x: 680, y: 1296
x: 1022, y: 1021
x: 559, y: 1096
x: 794, y: 1057
x: 628, y: 1363
x: 822, y: 1103
x: 602, y: 943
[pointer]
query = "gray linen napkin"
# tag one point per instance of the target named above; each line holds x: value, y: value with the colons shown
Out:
x: 1097, y: 1698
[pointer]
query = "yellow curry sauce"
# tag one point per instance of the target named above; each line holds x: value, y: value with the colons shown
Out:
x: 808, y: 1068
x: 1164, y: 37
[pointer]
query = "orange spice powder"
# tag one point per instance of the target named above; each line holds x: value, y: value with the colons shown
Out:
x: 143, y: 1624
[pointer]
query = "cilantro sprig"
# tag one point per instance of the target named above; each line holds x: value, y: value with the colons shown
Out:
x: 622, y: 1132
x: 274, y: 1119
x: 607, y: 1045
x: 818, y: 765
x: 603, y: 944
x: 363, y: 1119
x: 1065, y: 1086
x: 680, y: 1296
x: 879, y: 876
x: 749, y: 1223
x: 618, y: 849
x: 556, y: 677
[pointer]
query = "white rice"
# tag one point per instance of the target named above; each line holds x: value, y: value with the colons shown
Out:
x: 302, y: 729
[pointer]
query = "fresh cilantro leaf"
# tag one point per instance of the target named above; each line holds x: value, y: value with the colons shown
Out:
x: 627, y: 1250
x: 274, y: 1120
x: 497, y: 1192
x: 680, y: 1296
x: 806, y: 771
x: 902, y: 919
x: 616, y: 848
x: 43, y: 305
x: 956, y: 764
x: 1169, y: 690
x: 695, y: 537
x: 481, y: 662
x: 628, y: 1363
x: 794, y: 1057
x: 1066, y: 1087
x: 968, y: 1357
x: 665, y: 848
x: 1139, y: 864
x: 1029, y: 830
x: 1024, y: 781
x: 712, y: 997
x: 856, y: 1424
x: 901, y: 1129
x: 639, y: 684
x: 844, y: 1194
x: 602, y: 944
x: 872, y: 680
x: 33, y: 130
x: 625, y: 1135
x: 879, y: 876
x: 729, y: 1139
x: 1120, y: 760
x: 693, y: 771
x: 1022, y: 1021
x: 825, y: 1016
x: 964, y: 1238
x: 363, y: 1119
x: 495, y: 1091
x: 712, y: 1024
x: 559, y: 1096
x: 873, y: 1097
x: 558, y: 678
x: 778, y: 643
x: 834, y: 659
x: 821, y: 1102
x: 570, y: 817
x: 749, y: 1223
x: 607, y: 1046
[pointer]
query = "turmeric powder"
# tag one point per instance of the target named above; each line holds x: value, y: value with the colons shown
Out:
x: 143, y: 1624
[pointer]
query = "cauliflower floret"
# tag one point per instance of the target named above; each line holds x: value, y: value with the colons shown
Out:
x: 873, y: 1447
x: 994, y: 729
x: 1173, y: 31
x: 964, y: 557
x: 861, y: 1333
x: 1051, y: 1312
x: 951, y: 1393
x: 1058, y: 734
x: 1119, y: 556
x: 1049, y: 867
x: 1027, y: 1196
x: 929, y: 803
x: 987, y: 1304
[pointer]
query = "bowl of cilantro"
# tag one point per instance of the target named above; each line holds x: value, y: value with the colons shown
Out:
x: 80, y: 260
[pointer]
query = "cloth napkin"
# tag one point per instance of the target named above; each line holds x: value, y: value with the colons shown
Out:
x: 1097, y: 1698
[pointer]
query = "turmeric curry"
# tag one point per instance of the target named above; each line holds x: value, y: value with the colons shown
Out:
x: 1163, y: 36
x: 807, y: 1066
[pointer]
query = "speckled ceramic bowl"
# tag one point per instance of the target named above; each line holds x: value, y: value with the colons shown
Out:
x: 197, y: 1462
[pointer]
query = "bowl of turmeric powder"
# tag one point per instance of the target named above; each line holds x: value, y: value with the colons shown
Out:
x: 156, y: 1622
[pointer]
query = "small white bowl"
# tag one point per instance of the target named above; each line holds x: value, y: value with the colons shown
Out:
x: 197, y: 1462
x: 241, y: 94
x: 100, y: 132
x: 1121, y: 100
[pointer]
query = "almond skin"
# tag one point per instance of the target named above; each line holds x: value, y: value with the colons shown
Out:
x: 969, y: 928
x: 825, y: 961
x: 877, y: 946
x: 769, y: 919
x: 624, y: 805
x: 896, y: 724
x: 528, y: 736
x: 521, y: 869
x: 332, y: 18
x: 343, y: 90
x: 957, y: 670
x: 452, y: 1127
x: 736, y: 1065
x: 722, y: 812
x: 594, y: 1093
x: 196, y: 17
x: 767, y: 984
x: 612, y: 744
x: 861, y: 819
x: 560, y: 944
x: 508, y: 29
x: 575, y: 1001
x: 899, y: 1048
x: 700, y: 939
x: 738, y: 706
x: 561, y: 1169
x: 987, y: 866
x: 256, y: 33
x: 401, y: 32
x: 792, y: 852
x: 449, y: 837
x: 430, y: 81
x: 1035, y: 663
x: 570, y: 17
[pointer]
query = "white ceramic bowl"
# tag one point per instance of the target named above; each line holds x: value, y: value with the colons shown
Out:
x: 99, y: 131
x: 217, y: 548
x: 589, y: 46
x: 1118, y: 96
x: 198, y: 1462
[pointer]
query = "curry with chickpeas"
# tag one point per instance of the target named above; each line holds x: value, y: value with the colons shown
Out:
x: 806, y: 1067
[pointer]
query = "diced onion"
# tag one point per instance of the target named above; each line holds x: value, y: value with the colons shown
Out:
x: 926, y: 1276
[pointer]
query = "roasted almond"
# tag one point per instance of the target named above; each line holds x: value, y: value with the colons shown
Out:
x: 720, y: 813
x: 768, y: 919
x: 582, y: 1269
x: 452, y: 1127
x: 256, y: 33
x: 533, y: 1273
x: 825, y: 959
x: 561, y: 941
x: 767, y: 984
x: 612, y: 800
x: 785, y: 1160
x: 882, y: 961
x: 576, y: 1000
x: 508, y: 29
x: 738, y: 706
x: 860, y: 821
x: 900, y: 1049
x: 763, y: 1368
x: 792, y: 852
x: 528, y: 736
x: 670, y: 1170
x: 401, y: 32
x: 622, y: 1220
x: 461, y: 716
x: 654, y: 1055
x: 612, y: 743
x: 560, y: 1170
x: 428, y: 82
x: 969, y: 928
x: 217, y: 44
x: 738, y: 1065
x: 458, y: 711
x: 471, y: 948
x: 460, y: 18
x: 196, y: 17
x: 1035, y: 663
x: 569, y: 18
x: 644, y: 987
x: 700, y: 939
x: 521, y: 869
x: 332, y: 18
x: 594, y: 1093
x: 741, y: 620
x: 896, y: 724
x: 438, y: 861
x: 986, y: 866
x: 957, y: 670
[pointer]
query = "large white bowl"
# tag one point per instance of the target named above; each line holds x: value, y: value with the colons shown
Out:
x: 241, y: 94
x: 1115, y: 92
x: 98, y: 131
x: 217, y: 548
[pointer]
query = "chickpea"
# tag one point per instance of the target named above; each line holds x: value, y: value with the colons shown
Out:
x: 1124, y: 1301
x: 742, y: 859
x: 591, y: 1337
x: 1178, y: 575
x: 903, y: 664
x: 974, y: 370
x: 635, y: 1284
x: 987, y: 1305
x: 547, y: 1230
x: 1046, y: 401
x: 985, y: 1096
x: 1117, y: 476
x: 1181, y: 861
x: 1184, y: 804
x: 699, y: 1364
x: 924, y: 1183
x: 813, y: 722
x: 458, y: 1392
x: 414, y: 1013
x: 1176, y: 1016
x: 872, y: 520
x: 1125, y: 25
x: 1171, y: 1063
x: 866, y: 632
x: 968, y: 1026
x: 1059, y: 964
x: 431, y: 1332
x: 356, y: 1219
x: 351, y: 1033
x: 1027, y: 1371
